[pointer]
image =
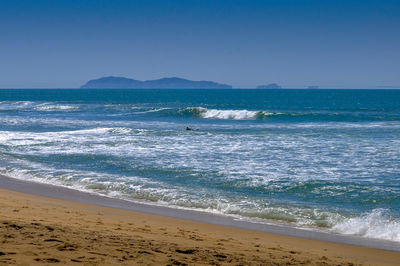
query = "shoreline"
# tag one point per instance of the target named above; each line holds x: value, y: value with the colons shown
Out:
x: 72, y: 195
x: 37, y: 230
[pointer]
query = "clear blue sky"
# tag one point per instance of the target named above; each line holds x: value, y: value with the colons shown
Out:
x: 243, y: 43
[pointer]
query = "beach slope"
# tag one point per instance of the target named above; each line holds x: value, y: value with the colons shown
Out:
x: 39, y: 230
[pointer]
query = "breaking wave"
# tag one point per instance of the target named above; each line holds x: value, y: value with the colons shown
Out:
x: 225, y: 114
x: 52, y: 107
x: 377, y: 224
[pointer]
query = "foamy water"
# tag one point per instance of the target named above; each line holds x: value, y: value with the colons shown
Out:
x: 270, y: 156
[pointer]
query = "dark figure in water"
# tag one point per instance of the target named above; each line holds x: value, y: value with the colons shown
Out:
x: 188, y: 128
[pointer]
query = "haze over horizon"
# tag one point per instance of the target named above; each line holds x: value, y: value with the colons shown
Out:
x: 331, y: 44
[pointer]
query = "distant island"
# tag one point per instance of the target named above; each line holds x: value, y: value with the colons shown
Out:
x: 313, y: 87
x: 163, y: 83
x: 269, y: 86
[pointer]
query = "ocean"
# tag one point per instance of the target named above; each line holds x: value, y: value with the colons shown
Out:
x: 326, y: 160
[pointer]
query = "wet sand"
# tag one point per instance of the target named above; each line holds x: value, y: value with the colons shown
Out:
x: 40, y: 230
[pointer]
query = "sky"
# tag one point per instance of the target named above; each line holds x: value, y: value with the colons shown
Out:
x: 244, y: 43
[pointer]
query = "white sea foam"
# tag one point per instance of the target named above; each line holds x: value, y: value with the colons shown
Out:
x: 54, y: 107
x: 256, y: 160
x: 69, y: 138
x: 38, y: 106
x: 10, y: 105
x: 152, y: 110
x: 229, y: 114
x: 376, y: 224
x: 156, y: 110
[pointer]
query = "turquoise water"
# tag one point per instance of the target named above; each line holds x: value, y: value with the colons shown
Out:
x: 317, y: 159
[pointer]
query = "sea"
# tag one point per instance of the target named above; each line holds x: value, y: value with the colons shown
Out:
x: 325, y: 160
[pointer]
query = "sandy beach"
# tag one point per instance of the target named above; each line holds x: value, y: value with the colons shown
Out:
x: 40, y: 230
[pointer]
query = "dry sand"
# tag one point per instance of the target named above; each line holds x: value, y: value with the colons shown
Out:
x: 37, y: 230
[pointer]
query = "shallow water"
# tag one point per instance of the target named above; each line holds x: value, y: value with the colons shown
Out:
x: 323, y: 159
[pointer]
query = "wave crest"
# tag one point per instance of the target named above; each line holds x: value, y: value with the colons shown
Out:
x: 225, y: 114
x: 56, y: 107
x: 377, y: 224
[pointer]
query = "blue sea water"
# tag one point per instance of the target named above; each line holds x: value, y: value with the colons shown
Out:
x: 317, y: 159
